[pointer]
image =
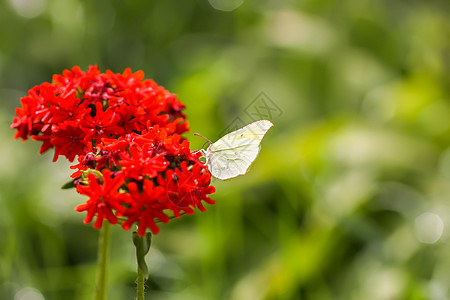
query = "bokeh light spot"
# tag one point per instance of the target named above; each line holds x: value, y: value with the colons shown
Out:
x: 428, y: 228
x: 226, y: 5
x: 29, y: 8
x: 28, y: 293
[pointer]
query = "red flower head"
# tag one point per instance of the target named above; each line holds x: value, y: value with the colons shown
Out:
x: 132, y: 161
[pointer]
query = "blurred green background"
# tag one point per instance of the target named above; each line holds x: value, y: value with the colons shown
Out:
x: 349, y: 198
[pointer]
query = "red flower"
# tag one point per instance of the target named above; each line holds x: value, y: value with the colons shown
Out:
x: 140, y: 162
x: 103, y: 124
x: 104, y: 198
x: 28, y: 117
x: 67, y: 108
x: 68, y: 139
x: 145, y: 207
x: 186, y: 189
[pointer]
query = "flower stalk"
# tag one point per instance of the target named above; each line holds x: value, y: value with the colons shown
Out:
x: 142, y: 244
x: 103, y: 251
x: 140, y: 292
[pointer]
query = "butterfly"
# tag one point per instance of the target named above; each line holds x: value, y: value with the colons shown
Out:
x: 233, y: 154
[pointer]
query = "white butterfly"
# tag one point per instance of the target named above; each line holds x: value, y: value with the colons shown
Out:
x: 233, y: 154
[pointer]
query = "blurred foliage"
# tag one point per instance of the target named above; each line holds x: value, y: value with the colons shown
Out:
x: 349, y: 198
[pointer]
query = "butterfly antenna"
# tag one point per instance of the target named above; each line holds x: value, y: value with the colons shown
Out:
x: 198, y: 134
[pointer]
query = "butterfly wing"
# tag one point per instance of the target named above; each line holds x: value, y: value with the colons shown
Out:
x: 233, y: 154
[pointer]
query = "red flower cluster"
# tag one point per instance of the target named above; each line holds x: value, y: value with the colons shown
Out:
x: 140, y: 177
x: 79, y: 109
x: 133, y: 164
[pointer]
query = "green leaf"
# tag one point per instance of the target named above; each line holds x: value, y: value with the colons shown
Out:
x: 68, y: 185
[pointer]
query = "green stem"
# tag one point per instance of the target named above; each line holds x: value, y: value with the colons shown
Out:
x: 142, y: 244
x: 140, y: 285
x: 103, y: 249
